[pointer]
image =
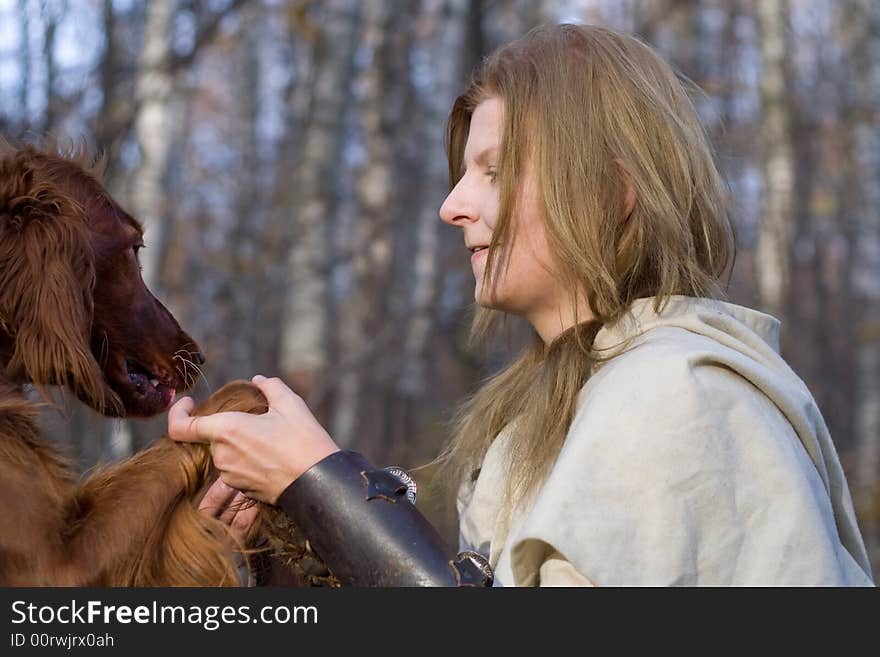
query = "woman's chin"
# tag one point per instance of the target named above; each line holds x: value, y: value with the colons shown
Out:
x: 484, y: 299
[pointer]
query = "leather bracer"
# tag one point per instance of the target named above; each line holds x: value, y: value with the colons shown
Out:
x: 359, y: 521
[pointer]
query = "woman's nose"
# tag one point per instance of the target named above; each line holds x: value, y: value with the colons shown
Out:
x: 457, y: 208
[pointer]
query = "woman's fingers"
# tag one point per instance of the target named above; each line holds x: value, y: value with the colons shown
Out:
x: 233, y: 508
x: 181, y: 425
x: 243, y: 519
x: 217, y: 499
x: 184, y: 427
x: 230, y: 507
x: 275, y: 390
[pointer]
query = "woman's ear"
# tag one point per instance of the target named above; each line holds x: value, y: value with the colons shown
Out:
x: 47, y: 276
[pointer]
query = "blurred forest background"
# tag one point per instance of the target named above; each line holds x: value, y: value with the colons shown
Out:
x: 286, y: 159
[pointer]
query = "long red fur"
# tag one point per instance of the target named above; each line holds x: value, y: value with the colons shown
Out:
x: 135, y: 523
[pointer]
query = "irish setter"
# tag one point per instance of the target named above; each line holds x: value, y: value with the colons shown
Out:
x: 74, y: 311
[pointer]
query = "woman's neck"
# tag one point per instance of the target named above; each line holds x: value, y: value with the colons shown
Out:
x: 552, y: 321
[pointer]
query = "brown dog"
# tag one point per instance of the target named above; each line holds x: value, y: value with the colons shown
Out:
x: 74, y: 311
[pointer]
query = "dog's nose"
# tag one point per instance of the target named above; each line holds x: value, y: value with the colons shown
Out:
x: 200, y: 357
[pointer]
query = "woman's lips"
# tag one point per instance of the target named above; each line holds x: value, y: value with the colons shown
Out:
x: 476, y: 255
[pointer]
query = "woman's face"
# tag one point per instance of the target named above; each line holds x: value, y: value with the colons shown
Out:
x: 527, y: 286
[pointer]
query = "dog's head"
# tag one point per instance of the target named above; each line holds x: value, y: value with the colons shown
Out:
x: 74, y: 309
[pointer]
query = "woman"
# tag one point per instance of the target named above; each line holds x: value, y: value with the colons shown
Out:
x: 652, y: 434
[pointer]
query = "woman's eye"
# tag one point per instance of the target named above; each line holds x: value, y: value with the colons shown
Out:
x: 136, y: 248
x: 493, y: 174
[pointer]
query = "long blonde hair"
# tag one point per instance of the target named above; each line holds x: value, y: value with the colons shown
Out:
x: 597, y: 111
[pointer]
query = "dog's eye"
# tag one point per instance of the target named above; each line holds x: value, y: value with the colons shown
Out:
x: 136, y: 248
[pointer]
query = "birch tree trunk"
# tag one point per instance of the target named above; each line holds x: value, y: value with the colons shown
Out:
x: 25, y: 58
x: 51, y: 16
x: 294, y: 58
x: 447, y: 81
x: 775, y: 234
x: 363, y: 330
x: 113, y: 121
x: 249, y: 206
x: 154, y: 130
x: 105, y: 128
x: 306, y: 335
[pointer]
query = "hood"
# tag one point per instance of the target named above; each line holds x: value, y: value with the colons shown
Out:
x: 747, y: 342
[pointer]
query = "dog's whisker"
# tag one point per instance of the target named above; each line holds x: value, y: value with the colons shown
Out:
x: 191, y: 378
x: 187, y: 379
x: 201, y: 375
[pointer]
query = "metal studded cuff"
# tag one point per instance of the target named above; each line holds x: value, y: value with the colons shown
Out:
x: 363, y: 524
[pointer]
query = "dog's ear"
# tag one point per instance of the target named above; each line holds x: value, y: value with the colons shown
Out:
x: 47, y: 276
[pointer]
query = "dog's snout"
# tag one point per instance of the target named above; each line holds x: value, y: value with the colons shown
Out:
x: 199, y: 357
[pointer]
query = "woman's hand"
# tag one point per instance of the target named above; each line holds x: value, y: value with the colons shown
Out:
x: 259, y: 455
x: 231, y: 508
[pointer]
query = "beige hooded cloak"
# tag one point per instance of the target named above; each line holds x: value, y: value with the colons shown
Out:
x: 696, y: 457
